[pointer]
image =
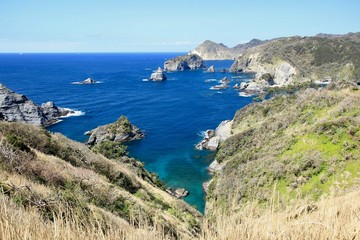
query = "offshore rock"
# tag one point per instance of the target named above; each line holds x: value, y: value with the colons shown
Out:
x: 88, y: 81
x: 158, y: 75
x: 53, y: 112
x: 186, y: 62
x: 211, y: 69
x: 120, y: 131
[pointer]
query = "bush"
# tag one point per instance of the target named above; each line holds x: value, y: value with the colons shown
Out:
x: 110, y: 149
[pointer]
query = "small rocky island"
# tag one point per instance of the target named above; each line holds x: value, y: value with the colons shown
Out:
x: 158, y: 75
x: 120, y: 131
x: 186, y: 62
x: 211, y: 69
x: 16, y: 107
x: 87, y: 81
x: 224, y: 84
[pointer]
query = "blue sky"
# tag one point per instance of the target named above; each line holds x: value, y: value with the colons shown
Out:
x: 163, y: 26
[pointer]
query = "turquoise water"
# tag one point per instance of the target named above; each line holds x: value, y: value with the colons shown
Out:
x: 172, y: 113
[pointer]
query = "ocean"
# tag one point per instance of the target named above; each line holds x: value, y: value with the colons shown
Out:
x: 173, y: 113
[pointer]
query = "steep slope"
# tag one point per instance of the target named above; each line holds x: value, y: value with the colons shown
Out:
x: 295, y: 60
x: 301, y: 146
x: 49, y: 172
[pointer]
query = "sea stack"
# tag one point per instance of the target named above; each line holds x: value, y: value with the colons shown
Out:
x: 211, y: 69
x: 158, y: 75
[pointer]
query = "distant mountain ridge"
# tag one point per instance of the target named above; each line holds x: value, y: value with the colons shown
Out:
x: 210, y: 50
x: 285, y: 61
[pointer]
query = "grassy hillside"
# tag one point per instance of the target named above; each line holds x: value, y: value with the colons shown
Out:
x: 302, y: 146
x: 55, y: 178
x: 314, y: 58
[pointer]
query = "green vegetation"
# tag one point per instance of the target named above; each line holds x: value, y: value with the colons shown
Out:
x: 110, y: 149
x: 304, y: 145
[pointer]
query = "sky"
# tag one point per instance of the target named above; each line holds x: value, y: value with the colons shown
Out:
x: 164, y: 26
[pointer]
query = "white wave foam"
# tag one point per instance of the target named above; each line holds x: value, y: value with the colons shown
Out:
x: 82, y: 83
x: 243, y: 94
x: 201, y: 134
x: 219, y: 92
x: 145, y: 80
x: 211, y: 80
x: 73, y: 113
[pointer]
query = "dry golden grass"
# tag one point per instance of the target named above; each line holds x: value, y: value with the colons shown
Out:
x: 19, y: 223
x: 333, y: 218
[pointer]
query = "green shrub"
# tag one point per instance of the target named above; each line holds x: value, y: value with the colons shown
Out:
x: 110, y: 149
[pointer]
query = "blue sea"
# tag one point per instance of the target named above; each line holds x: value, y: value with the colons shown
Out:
x: 173, y: 113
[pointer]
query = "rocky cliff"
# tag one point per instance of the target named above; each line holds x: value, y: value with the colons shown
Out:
x: 301, y: 146
x: 16, y: 107
x: 186, y: 62
x: 294, y: 60
x: 209, y: 50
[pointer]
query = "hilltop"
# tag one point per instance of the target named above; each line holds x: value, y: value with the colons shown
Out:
x: 210, y: 50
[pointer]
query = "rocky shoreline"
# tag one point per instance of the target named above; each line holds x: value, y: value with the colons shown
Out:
x: 16, y: 107
x: 213, y: 138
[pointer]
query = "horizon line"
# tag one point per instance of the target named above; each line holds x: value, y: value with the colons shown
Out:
x: 20, y: 53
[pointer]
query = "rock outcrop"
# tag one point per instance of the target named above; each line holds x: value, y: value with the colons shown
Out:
x: 158, y: 75
x: 295, y: 60
x: 211, y: 69
x: 178, y: 192
x: 120, y: 131
x: 88, y: 81
x: 186, y: 62
x: 16, y: 107
x: 212, y: 139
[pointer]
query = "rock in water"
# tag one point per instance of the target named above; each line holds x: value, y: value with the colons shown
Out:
x: 211, y: 69
x: 52, y: 111
x: 213, y: 139
x: 120, y: 131
x: 186, y: 62
x: 158, y: 75
x: 88, y: 81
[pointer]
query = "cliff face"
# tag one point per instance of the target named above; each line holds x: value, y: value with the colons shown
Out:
x: 301, y: 146
x: 186, y: 62
x: 49, y: 172
x: 295, y: 60
x: 16, y: 107
x: 209, y: 50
